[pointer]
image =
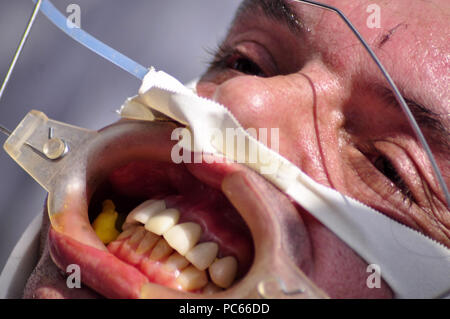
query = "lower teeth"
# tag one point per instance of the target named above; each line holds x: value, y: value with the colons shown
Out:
x: 195, y: 266
x: 148, y: 242
x: 192, y: 278
x: 161, y: 250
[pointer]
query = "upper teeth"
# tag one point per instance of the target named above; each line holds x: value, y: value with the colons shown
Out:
x: 202, y: 255
x: 183, y: 238
x: 163, y: 221
x: 143, y: 212
x: 223, y: 271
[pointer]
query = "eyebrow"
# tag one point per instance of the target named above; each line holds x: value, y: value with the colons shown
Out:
x: 278, y: 10
x: 438, y: 133
x: 282, y: 12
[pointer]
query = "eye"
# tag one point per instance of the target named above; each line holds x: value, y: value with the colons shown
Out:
x: 245, y: 66
x: 385, y: 166
x: 248, y: 59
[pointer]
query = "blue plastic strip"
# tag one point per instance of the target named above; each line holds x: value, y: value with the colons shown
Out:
x: 122, y: 61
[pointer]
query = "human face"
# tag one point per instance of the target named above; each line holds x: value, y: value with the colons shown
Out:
x: 337, y: 118
x: 337, y: 122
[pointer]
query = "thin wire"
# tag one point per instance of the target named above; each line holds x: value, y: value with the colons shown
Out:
x: 398, y: 95
x: 4, y: 130
x: 8, y: 133
x: 20, y: 47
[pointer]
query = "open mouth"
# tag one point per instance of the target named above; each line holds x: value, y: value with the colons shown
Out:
x: 182, y: 230
x: 183, y: 234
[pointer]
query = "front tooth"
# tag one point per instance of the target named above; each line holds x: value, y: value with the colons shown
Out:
x: 144, y: 211
x: 183, y: 237
x: 202, y: 255
x: 176, y: 262
x: 137, y: 236
x: 223, y: 271
x: 210, y: 289
x: 191, y: 278
x: 163, y: 221
x: 161, y: 250
x: 147, y: 243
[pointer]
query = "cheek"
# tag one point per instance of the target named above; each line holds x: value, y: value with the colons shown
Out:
x: 206, y: 89
x: 337, y: 269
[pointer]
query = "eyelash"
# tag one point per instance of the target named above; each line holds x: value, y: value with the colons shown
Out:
x: 226, y: 57
x: 385, y: 166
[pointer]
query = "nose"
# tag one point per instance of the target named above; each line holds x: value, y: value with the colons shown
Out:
x: 305, y: 106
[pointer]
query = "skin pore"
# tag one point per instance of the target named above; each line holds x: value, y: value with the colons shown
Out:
x: 294, y: 67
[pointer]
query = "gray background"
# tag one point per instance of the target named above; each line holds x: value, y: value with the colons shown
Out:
x: 71, y: 84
